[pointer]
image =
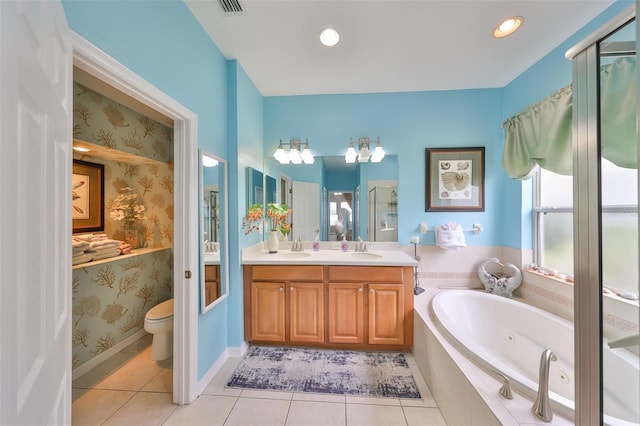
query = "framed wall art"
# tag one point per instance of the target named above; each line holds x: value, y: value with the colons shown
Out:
x: 87, y: 196
x: 454, y: 179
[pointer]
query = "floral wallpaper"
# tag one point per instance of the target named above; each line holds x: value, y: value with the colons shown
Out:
x: 110, y: 299
x: 100, y: 120
x: 152, y: 180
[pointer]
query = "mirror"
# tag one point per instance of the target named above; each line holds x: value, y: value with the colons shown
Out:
x: 214, y: 280
x: 255, y: 192
x: 371, y: 221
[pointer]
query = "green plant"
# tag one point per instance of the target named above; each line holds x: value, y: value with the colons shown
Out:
x: 276, y: 213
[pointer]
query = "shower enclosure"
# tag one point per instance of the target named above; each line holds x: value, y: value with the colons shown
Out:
x: 383, y: 213
x: 605, y: 175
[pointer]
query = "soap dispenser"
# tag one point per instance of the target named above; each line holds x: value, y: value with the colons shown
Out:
x: 316, y: 243
x: 344, y: 245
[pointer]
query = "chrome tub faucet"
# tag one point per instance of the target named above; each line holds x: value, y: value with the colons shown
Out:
x: 541, y: 407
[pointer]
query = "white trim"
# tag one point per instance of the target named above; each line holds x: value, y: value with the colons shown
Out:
x: 223, y: 240
x: 100, y: 358
x: 91, y: 59
x: 230, y: 352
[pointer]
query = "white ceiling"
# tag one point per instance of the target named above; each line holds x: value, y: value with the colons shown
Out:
x: 388, y: 45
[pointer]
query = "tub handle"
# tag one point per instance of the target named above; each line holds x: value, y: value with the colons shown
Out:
x: 505, y: 390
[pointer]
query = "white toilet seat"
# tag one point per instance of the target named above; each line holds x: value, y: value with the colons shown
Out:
x: 161, y: 311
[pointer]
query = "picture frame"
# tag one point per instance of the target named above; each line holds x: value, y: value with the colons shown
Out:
x: 454, y: 179
x: 87, y: 196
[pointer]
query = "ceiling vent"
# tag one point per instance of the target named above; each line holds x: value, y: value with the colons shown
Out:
x: 230, y: 6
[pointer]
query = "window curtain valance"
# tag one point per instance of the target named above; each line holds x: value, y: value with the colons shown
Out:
x: 541, y: 134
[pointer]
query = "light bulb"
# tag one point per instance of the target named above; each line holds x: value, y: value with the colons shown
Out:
x: 351, y: 155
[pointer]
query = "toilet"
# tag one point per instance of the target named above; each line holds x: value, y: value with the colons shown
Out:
x: 159, y: 322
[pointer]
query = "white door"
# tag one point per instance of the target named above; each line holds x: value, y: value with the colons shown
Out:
x: 35, y: 230
x: 306, y: 209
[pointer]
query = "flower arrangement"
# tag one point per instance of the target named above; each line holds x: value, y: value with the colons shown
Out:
x: 277, y: 213
x: 126, y: 207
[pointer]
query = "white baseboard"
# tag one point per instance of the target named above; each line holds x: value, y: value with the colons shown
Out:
x: 102, y: 357
x: 236, y: 351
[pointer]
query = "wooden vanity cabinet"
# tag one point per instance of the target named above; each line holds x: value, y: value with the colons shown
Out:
x: 355, y: 307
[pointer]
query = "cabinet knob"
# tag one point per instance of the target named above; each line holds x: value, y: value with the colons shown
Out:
x: 291, y: 289
x: 372, y: 291
x: 281, y: 289
x: 360, y: 290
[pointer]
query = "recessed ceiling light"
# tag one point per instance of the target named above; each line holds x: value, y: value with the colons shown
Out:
x: 508, y: 26
x: 81, y: 149
x: 329, y: 37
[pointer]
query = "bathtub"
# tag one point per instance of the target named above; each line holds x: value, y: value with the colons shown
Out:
x: 509, y: 336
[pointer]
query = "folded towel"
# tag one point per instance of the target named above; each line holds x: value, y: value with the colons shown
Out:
x: 101, y: 250
x: 450, y: 236
x: 79, y: 246
x: 91, y: 237
x: 107, y: 254
x: 82, y: 258
x: 95, y: 245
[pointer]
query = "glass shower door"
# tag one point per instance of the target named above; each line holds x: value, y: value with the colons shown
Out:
x: 619, y: 280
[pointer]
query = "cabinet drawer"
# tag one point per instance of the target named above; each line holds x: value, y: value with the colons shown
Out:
x: 366, y: 273
x: 288, y: 273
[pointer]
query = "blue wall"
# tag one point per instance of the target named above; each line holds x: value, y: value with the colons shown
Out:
x: 245, y: 138
x: 164, y: 44
x: 406, y: 123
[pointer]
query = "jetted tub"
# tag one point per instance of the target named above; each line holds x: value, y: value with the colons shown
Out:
x: 509, y: 336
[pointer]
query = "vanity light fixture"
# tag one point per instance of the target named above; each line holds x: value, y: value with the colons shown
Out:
x: 329, y: 37
x: 364, y: 154
x: 294, y: 155
x: 508, y: 26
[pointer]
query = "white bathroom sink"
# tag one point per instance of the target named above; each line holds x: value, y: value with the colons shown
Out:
x: 291, y: 255
x: 365, y: 255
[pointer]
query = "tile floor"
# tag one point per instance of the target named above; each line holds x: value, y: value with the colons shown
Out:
x: 130, y: 389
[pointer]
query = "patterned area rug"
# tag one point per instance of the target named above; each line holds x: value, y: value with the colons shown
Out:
x: 377, y: 374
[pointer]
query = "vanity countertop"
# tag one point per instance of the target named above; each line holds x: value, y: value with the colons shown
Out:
x: 211, y: 258
x: 284, y: 256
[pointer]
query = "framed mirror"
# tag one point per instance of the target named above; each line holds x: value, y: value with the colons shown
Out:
x: 214, y: 278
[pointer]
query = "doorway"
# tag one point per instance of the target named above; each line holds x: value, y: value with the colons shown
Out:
x: 341, y: 216
x: 98, y: 64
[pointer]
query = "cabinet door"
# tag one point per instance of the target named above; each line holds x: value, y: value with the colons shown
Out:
x: 306, y: 312
x: 346, y: 313
x: 267, y: 311
x: 211, y: 283
x: 386, y: 314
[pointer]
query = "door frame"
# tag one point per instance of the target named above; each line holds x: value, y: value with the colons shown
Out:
x: 96, y: 62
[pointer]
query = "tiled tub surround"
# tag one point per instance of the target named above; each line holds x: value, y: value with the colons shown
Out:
x: 441, y: 269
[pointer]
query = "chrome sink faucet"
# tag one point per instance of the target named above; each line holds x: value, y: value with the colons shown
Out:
x: 297, y: 244
x: 360, y: 245
x: 541, y: 407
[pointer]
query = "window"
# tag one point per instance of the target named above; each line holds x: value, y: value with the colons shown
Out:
x: 553, y: 219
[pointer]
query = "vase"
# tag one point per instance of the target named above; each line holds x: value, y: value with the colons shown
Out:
x: 131, y: 234
x: 273, y: 243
